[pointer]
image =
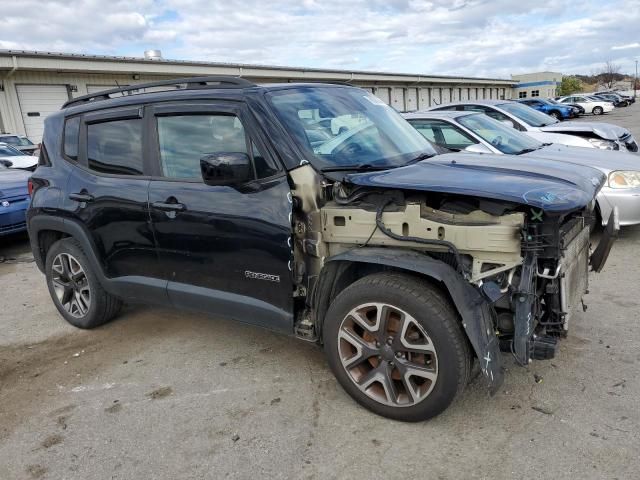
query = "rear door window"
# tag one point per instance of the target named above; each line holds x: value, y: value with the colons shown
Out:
x: 115, y: 147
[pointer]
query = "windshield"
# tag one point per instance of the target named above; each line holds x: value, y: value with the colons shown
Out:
x: 343, y: 127
x: 504, y: 138
x: 15, y: 140
x: 7, y: 151
x: 528, y: 115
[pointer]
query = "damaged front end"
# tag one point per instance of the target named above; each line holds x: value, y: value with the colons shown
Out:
x: 514, y: 262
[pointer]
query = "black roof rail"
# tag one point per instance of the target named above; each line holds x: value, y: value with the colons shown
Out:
x: 191, y: 83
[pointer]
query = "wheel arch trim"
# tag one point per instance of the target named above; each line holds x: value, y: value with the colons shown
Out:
x: 474, y: 310
x: 134, y: 288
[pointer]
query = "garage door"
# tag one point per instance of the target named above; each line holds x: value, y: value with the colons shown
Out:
x: 436, y: 96
x: 397, y: 99
x: 36, y: 103
x: 412, y: 100
x: 383, y: 94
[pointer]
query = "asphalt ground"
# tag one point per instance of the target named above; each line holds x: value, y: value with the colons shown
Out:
x: 164, y: 394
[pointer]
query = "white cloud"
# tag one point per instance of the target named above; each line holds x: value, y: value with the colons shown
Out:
x: 626, y: 47
x: 463, y: 37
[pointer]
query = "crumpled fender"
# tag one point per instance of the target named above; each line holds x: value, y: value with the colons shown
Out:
x: 473, y: 308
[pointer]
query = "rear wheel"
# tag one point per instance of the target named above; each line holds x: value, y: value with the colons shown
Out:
x: 75, y: 289
x: 597, y: 111
x: 396, y: 346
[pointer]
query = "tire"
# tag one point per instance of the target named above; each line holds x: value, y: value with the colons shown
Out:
x: 81, y: 301
x: 555, y: 114
x: 431, y: 324
x: 597, y: 111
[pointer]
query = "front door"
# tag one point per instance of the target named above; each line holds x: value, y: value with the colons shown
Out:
x: 223, y: 249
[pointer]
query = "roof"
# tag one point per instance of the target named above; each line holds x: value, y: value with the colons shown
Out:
x: 197, y: 85
x: 34, y: 60
x: 444, y: 114
x: 470, y: 102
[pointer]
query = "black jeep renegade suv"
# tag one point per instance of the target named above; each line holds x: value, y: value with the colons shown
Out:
x: 317, y: 211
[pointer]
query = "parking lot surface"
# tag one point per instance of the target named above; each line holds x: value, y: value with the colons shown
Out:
x: 165, y: 394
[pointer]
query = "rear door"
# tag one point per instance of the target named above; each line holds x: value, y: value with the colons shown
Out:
x: 107, y: 193
x: 223, y: 249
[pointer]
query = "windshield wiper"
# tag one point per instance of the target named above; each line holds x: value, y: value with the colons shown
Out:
x: 527, y: 150
x: 422, y: 156
x: 361, y: 167
x: 358, y: 168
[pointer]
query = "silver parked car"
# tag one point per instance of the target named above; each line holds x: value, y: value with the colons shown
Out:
x: 477, y: 133
x: 547, y: 129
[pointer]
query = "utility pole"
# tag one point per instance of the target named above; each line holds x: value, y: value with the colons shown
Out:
x: 635, y: 82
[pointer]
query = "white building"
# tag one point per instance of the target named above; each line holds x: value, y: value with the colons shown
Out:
x: 539, y: 84
x: 35, y: 84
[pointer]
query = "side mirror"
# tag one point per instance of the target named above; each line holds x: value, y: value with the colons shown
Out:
x: 478, y: 148
x: 226, y: 168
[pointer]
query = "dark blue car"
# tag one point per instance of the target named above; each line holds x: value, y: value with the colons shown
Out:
x: 559, y: 112
x: 14, y: 200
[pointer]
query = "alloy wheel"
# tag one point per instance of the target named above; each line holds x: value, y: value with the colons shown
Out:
x: 71, y: 285
x: 387, y: 354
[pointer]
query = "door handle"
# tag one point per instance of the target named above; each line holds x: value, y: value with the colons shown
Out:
x: 169, y: 207
x: 81, y: 197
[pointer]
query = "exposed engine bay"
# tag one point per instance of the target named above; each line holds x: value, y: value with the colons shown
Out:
x: 529, y: 266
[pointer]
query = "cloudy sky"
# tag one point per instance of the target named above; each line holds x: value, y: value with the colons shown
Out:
x: 446, y: 37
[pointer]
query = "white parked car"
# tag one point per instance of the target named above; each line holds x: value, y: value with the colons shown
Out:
x: 11, y: 157
x: 594, y: 105
x: 477, y: 133
x: 547, y: 129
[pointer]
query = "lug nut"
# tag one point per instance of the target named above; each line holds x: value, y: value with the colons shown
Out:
x: 398, y: 354
x: 389, y: 340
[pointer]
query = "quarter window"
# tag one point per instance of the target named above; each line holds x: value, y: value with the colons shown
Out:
x: 185, y: 139
x: 115, y: 147
x: 71, y: 134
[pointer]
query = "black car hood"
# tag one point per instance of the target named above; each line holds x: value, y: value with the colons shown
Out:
x: 549, y: 185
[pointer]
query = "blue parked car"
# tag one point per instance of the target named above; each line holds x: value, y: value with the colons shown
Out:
x: 14, y: 200
x: 559, y: 112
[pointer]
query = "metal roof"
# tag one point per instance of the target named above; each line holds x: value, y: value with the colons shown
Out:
x: 143, y: 65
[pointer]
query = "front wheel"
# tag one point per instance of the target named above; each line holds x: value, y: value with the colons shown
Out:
x: 556, y: 115
x: 597, y: 111
x: 396, y: 346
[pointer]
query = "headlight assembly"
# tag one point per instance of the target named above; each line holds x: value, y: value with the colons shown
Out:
x: 624, y: 179
x: 604, y: 144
